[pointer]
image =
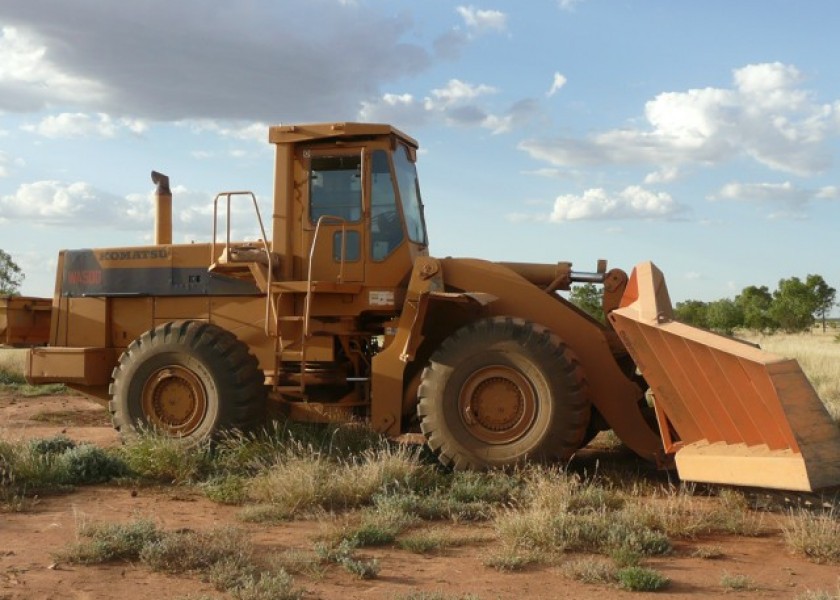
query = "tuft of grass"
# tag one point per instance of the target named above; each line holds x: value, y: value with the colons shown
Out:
x: 421, y: 595
x: 181, y: 552
x: 590, y: 570
x: 343, y: 553
x: 297, y: 561
x: 641, y: 579
x: 227, y: 489
x: 58, y: 444
x: 302, y: 482
x: 708, y: 552
x: 736, y: 581
x: 46, y: 465
x: 512, y: 559
x: 816, y: 536
x: 679, y: 513
x: 157, y: 457
x: 223, y: 556
x: 267, y: 586
x: 430, y: 541
x: 108, y: 542
x: 818, y: 595
x: 90, y: 464
x: 368, y: 528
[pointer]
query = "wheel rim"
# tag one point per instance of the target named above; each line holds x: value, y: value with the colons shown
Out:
x: 174, y: 400
x: 497, y: 404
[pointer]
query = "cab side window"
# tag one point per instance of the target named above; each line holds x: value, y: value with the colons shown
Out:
x: 386, y: 231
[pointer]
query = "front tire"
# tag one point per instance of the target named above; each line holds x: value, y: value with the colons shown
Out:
x: 499, y: 391
x: 188, y: 379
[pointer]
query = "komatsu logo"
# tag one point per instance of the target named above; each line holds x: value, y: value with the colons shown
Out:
x: 134, y: 254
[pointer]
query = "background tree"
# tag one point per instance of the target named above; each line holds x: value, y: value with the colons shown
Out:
x: 724, y: 315
x: 794, y: 305
x: 11, y: 277
x: 692, y: 312
x: 824, y: 295
x: 589, y: 298
x: 755, y: 303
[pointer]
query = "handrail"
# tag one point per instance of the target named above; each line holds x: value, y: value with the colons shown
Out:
x: 270, y: 309
x: 308, y: 300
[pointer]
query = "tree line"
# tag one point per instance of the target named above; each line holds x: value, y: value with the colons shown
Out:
x: 794, y: 306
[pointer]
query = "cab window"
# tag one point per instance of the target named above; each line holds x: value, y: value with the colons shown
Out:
x: 386, y: 231
x: 409, y: 187
x: 335, y: 187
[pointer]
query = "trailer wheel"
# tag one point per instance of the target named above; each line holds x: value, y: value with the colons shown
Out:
x: 188, y: 379
x: 499, y: 391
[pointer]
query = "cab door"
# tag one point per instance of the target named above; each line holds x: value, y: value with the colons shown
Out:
x: 334, y: 213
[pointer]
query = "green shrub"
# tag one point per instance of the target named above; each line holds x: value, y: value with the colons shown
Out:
x: 58, y: 444
x: 197, y: 550
x: 641, y: 579
x: 90, y: 464
x: 106, y: 542
x: 735, y: 581
x: 160, y: 458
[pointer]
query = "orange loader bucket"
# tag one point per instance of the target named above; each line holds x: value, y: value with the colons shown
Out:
x: 728, y: 411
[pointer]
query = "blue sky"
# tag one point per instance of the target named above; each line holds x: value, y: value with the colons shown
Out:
x: 701, y: 135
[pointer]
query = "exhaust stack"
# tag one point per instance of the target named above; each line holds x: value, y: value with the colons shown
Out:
x: 163, y: 209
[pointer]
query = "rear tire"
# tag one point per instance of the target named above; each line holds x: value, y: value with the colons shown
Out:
x: 499, y: 391
x: 188, y: 379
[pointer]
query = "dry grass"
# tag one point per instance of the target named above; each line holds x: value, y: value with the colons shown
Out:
x: 12, y: 360
x: 816, y: 536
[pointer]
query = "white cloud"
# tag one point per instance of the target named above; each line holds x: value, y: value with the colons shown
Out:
x: 403, y: 110
x: 556, y: 85
x: 829, y: 192
x: 762, y: 192
x: 458, y: 103
x: 568, y: 5
x: 7, y: 163
x: 664, y: 175
x: 633, y: 202
x: 482, y: 20
x: 779, y: 200
x: 77, y: 125
x: 54, y: 56
x: 30, y: 79
x: 57, y: 203
x: 237, y: 130
x: 764, y: 116
x: 455, y: 92
x: 80, y: 205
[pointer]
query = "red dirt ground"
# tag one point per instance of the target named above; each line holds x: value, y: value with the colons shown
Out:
x: 28, y: 539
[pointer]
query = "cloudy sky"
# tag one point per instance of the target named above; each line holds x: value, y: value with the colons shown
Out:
x: 701, y: 135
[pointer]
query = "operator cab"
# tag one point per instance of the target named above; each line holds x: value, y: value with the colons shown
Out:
x: 354, y: 199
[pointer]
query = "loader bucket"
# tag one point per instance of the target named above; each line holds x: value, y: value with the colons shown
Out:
x: 730, y: 412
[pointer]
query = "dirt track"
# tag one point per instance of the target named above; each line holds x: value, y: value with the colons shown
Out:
x: 28, y: 569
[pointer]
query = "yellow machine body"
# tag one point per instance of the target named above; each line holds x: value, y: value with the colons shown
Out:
x: 338, y: 313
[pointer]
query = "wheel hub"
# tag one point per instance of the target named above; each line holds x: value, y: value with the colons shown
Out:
x: 497, y: 404
x: 174, y: 400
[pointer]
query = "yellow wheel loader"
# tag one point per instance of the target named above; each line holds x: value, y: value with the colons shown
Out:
x: 341, y: 314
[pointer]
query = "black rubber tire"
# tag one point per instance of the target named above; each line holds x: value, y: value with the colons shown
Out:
x: 206, y: 359
x: 517, y: 356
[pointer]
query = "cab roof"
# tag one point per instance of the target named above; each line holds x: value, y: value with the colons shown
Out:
x: 290, y: 134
